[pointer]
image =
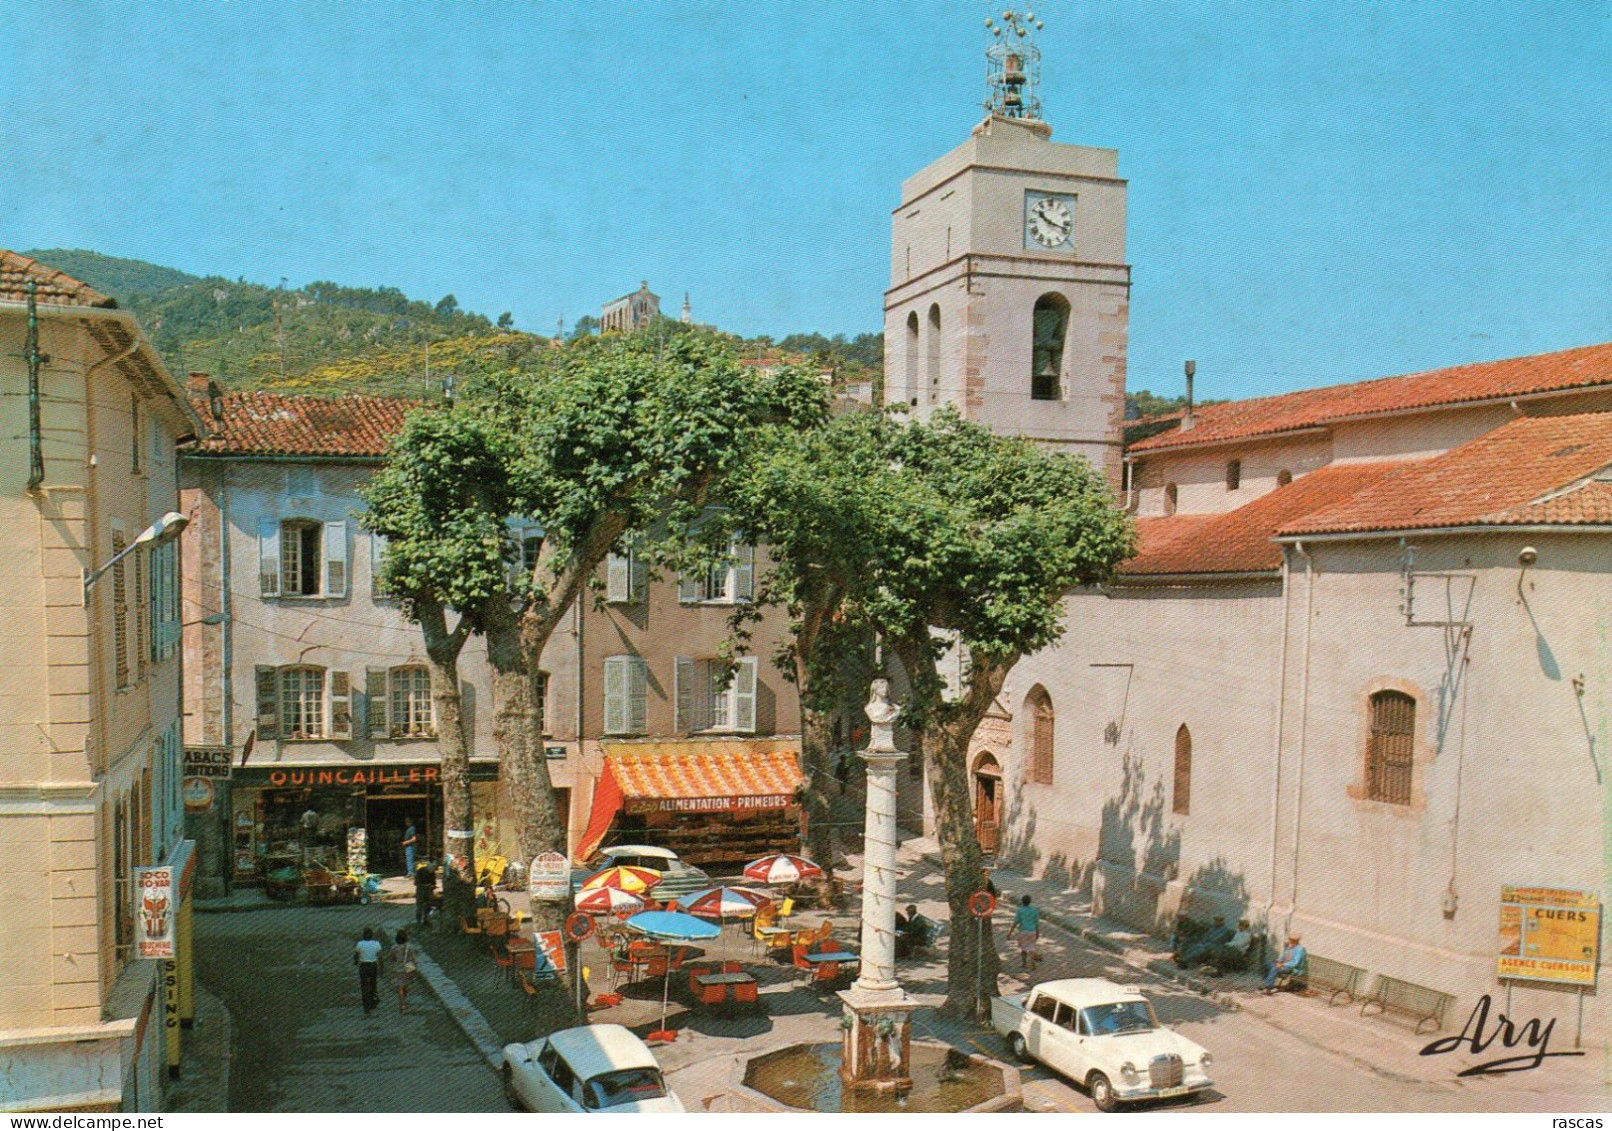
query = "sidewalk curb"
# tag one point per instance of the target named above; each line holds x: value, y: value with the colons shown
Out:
x: 464, y: 1014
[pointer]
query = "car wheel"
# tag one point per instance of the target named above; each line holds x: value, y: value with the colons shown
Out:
x: 511, y: 1097
x: 1102, y: 1092
x: 1016, y: 1046
x: 363, y: 900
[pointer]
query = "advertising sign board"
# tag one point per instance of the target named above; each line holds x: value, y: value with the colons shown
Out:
x: 154, y: 910
x: 1549, y: 935
x: 550, y: 877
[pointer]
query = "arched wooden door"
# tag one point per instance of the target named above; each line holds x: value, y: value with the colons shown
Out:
x: 987, y: 802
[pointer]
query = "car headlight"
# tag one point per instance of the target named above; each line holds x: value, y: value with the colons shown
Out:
x: 1206, y: 1061
x: 1128, y: 1070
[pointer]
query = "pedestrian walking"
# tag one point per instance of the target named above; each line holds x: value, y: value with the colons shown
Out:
x: 411, y: 840
x: 367, y: 957
x: 425, y: 886
x: 404, y: 966
x: 1027, y: 930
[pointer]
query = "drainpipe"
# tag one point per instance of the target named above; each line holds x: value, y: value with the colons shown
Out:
x: 1281, y: 720
x: 1304, y: 723
x: 36, y: 441
x: 226, y: 606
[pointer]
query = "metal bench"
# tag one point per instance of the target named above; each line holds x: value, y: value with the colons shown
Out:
x: 1392, y: 995
x: 1329, y: 976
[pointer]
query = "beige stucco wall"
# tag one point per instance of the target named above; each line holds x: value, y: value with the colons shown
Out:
x: 1200, y: 476
x: 71, y: 742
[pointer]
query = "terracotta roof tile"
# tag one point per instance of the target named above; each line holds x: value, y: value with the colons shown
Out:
x: 1518, y: 376
x: 53, y: 287
x: 1240, y: 541
x: 276, y: 424
x: 1500, y: 478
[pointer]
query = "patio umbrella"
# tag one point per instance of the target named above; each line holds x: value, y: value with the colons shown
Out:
x: 781, y: 868
x: 625, y: 878
x: 608, y: 901
x: 725, y: 902
x: 670, y: 926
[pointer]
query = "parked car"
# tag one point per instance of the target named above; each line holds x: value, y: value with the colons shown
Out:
x: 677, y: 877
x: 1103, y: 1036
x: 594, y: 1068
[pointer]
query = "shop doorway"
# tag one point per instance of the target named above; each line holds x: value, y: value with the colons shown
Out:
x: 388, y: 818
x: 987, y: 802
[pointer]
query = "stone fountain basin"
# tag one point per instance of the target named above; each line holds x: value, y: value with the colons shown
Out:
x: 804, y: 1077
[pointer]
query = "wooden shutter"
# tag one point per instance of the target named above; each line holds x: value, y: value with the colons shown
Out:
x: 375, y: 703
x: 1391, y: 757
x: 336, y: 559
x: 744, y: 572
x: 142, y: 614
x: 744, y: 695
x: 268, y: 702
x: 615, y: 694
x: 1182, y: 798
x: 341, y: 705
x: 268, y: 557
x: 120, y: 611
x: 685, y: 679
x: 377, y: 567
x: 1041, y: 737
x: 637, y: 695
x: 618, y: 577
x: 691, y: 588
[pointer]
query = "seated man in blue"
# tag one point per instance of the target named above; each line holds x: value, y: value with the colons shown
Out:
x: 1290, y: 964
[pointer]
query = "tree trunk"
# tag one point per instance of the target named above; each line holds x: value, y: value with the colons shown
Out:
x: 442, y: 649
x: 820, y: 783
x: 972, y: 960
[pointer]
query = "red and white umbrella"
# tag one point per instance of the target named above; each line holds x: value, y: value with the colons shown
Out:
x: 623, y: 877
x: 781, y: 868
x: 608, y: 901
x: 725, y: 903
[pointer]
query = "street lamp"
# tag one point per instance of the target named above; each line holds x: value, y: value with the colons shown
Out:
x: 165, y: 529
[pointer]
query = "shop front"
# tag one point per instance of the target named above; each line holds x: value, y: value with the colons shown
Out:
x: 716, y: 803
x: 285, y: 818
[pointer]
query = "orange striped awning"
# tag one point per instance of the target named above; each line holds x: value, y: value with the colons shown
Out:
x: 709, y: 776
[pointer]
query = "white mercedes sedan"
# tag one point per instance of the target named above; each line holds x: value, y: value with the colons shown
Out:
x: 594, y: 1068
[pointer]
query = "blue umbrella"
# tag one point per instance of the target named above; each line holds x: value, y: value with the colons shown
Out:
x: 672, y: 926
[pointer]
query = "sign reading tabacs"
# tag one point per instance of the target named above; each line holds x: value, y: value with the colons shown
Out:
x: 208, y: 761
x: 1549, y: 935
x: 154, y: 912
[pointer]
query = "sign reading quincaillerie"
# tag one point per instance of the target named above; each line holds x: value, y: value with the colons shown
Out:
x: 1549, y: 935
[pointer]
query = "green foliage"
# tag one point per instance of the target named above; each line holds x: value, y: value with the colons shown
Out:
x: 851, y: 359
x: 120, y: 278
x: 1142, y: 404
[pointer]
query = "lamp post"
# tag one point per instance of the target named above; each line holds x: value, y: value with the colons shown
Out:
x: 164, y: 530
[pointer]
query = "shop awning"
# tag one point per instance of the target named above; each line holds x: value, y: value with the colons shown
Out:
x: 711, y: 776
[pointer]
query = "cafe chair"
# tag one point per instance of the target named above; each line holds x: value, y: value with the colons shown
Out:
x: 713, y: 995
x: 748, y: 993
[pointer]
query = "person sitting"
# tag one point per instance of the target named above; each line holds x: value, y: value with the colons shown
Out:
x: 1234, y: 954
x: 1291, y: 964
x: 1197, y: 951
x: 913, y: 932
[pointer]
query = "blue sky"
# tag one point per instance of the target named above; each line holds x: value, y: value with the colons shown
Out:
x: 1318, y: 191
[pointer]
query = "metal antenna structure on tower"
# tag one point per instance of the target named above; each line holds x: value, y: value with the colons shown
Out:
x: 1013, y: 66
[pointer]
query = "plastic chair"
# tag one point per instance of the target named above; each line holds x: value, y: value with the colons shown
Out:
x: 733, y: 966
x: 713, y: 995
x: 826, y: 972
x: 787, y: 908
x: 798, y: 952
x: 504, y: 961
x: 747, y: 992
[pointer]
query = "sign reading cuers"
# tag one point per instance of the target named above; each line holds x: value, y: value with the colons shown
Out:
x: 208, y: 761
x: 1549, y: 935
x: 549, y: 881
x: 154, y: 912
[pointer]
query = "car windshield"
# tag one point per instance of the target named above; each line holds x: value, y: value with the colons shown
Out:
x: 1120, y: 1017
x: 625, y: 1086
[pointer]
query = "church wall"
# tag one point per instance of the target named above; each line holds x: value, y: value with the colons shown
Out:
x: 1200, y: 476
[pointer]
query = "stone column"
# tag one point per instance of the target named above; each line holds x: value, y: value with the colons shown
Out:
x: 877, y: 1043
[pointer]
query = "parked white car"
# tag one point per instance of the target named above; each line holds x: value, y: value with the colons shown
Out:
x: 1103, y: 1036
x: 594, y: 1068
x: 678, y: 877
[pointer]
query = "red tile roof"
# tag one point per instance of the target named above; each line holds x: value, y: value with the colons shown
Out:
x: 1505, y: 477
x: 1515, y: 377
x: 53, y: 287
x: 280, y: 425
x: 1240, y: 541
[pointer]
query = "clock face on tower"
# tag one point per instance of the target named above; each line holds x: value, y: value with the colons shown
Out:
x: 1049, y: 220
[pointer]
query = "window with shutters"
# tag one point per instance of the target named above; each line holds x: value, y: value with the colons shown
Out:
x: 411, y: 703
x: 729, y: 581
x: 715, y: 696
x: 1038, y: 706
x: 626, y: 695
x: 1181, y: 796
x: 302, y: 558
x: 122, y: 881
x: 120, y: 611
x: 378, y: 588
x: 164, y: 614
x: 625, y: 577
x: 141, y: 614
x: 1391, y: 748
x: 302, y: 702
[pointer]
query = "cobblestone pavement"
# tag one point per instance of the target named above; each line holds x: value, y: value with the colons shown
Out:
x: 301, y: 1039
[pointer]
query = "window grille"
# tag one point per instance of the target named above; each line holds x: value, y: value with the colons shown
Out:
x: 1391, y: 753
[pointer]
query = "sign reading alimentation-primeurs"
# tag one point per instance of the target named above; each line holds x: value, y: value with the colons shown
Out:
x: 1549, y: 935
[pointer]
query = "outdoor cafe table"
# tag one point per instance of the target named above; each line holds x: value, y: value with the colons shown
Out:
x: 725, y: 979
x: 833, y: 956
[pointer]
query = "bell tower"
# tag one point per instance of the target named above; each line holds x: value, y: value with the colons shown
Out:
x: 1009, y: 291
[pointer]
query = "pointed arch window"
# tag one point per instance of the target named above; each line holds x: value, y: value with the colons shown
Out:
x: 1038, y: 705
x: 1181, y: 795
x: 1050, y: 329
